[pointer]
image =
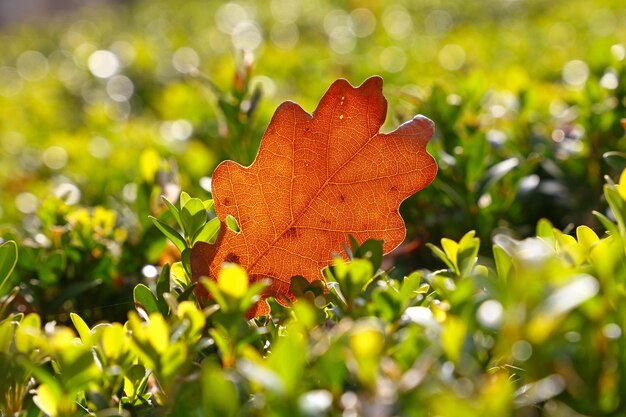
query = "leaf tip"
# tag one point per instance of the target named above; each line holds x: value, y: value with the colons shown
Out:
x: 419, y: 127
x: 373, y: 83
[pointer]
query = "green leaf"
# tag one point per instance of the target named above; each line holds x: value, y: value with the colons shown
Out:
x: 545, y: 229
x: 219, y: 393
x: 288, y: 358
x: 185, y: 258
x: 388, y: 306
x: 441, y: 255
x: 208, y: 233
x: 300, y: 286
x: 475, y: 156
x: 372, y: 250
x: 215, y: 292
x: 451, y: 249
x: 170, y: 233
x: 163, y: 282
x: 354, y: 245
x: 6, y: 336
x: 145, y: 300
x: 112, y: 341
x: 72, y: 291
x: 468, y: 252
x: 184, y: 197
x: 495, y: 174
x: 607, y: 223
x: 453, y: 337
x: 27, y: 333
x: 81, y: 328
x: 410, y: 286
x: 173, y: 359
x: 353, y: 277
x: 173, y: 209
x: 135, y: 381
x: 42, y: 374
x: 46, y: 400
x: 193, y: 215
x: 252, y: 294
x: 615, y: 159
x: 8, y: 260
x: 179, y: 274
x: 618, y: 206
x: 163, y: 286
x: 503, y: 262
x: 232, y: 223
x: 208, y: 205
x: 187, y: 293
x: 586, y: 237
x: 52, y: 267
x: 80, y: 369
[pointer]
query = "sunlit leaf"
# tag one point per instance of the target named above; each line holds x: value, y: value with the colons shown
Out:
x: 170, y: 233
x: 145, y: 299
x: 311, y: 186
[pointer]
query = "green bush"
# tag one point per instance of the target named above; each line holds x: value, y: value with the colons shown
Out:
x: 517, y: 311
x: 533, y: 330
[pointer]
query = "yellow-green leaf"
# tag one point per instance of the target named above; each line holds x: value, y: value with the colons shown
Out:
x: 453, y: 337
x: 232, y: 280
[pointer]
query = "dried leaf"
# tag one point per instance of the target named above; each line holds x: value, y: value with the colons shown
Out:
x: 315, y: 181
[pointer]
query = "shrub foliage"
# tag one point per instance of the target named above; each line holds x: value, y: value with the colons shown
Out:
x: 515, y: 307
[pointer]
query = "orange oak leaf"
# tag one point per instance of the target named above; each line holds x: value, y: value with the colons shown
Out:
x: 315, y: 181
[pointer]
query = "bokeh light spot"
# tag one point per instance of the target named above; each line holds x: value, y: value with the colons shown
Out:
x: 393, y: 59
x: 342, y: 40
x: 618, y: 51
x: 228, y: 16
x: 150, y: 271
x: 55, y: 157
x: 362, y: 22
x: 129, y: 192
x: 489, y: 313
x: 100, y: 147
x: 452, y: 57
x: 397, y: 22
x: 609, y: 80
x: 186, y: 60
x: 68, y: 192
x: 602, y: 22
x: 177, y: 130
x: 438, y: 22
x: 575, y: 73
x: 26, y: 203
x: 285, y: 35
x: 612, y: 331
x: 12, y: 142
x: 266, y: 84
x: 124, y: 51
x: 10, y: 82
x: 246, y: 36
x: 32, y: 65
x: 120, y: 88
x: 522, y: 350
x: 103, y: 64
x: 334, y: 19
x: 285, y: 11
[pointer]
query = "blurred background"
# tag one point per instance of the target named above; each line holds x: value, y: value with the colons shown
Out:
x: 106, y: 105
x: 12, y: 12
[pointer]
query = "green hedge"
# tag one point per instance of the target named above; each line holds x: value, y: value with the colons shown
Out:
x: 535, y: 329
x: 103, y: 112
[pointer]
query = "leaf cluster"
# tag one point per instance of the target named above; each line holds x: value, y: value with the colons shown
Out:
x: 528, y: 330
